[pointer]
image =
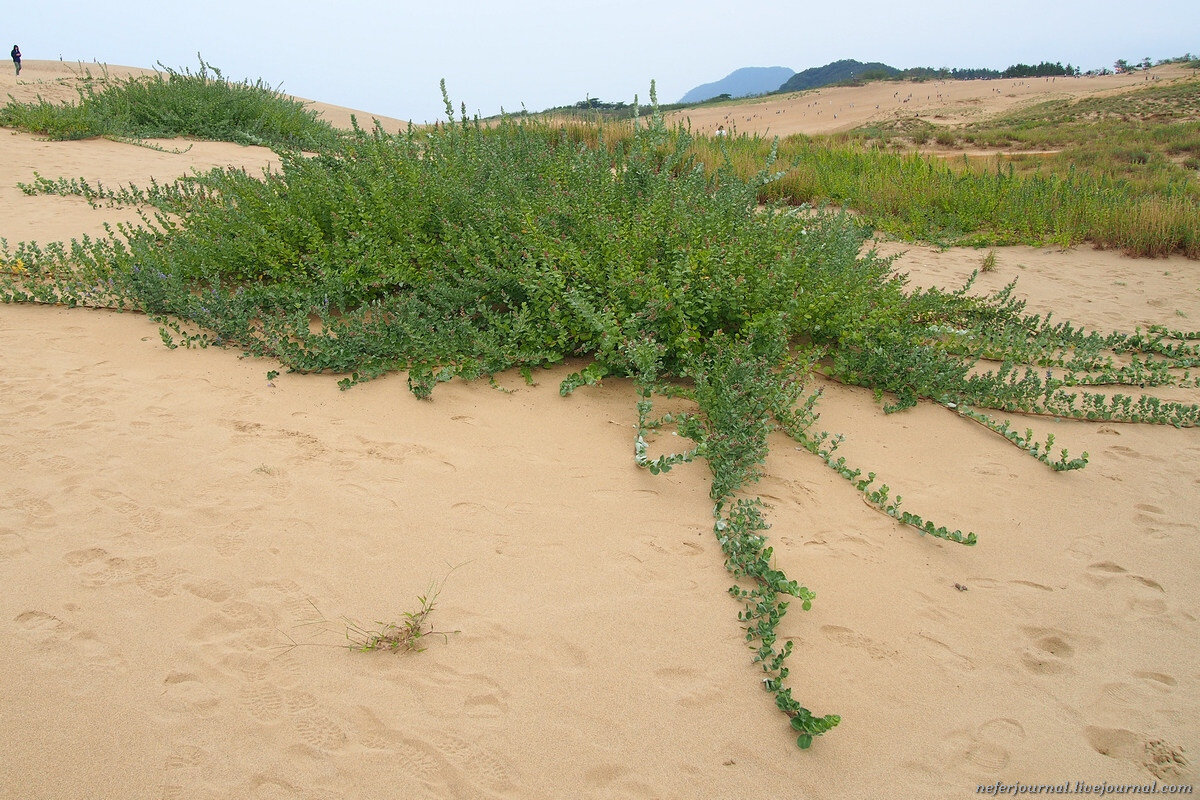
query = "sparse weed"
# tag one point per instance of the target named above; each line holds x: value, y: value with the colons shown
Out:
x: 406, y: 635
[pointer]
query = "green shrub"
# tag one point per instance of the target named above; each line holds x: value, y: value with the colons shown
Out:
x: 946, y: 138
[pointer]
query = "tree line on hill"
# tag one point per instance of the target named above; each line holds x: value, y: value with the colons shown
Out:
x: 1045, y: 69
x: 852, y: 72
x: 855, y: 73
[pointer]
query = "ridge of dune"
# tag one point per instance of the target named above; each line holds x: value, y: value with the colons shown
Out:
x: 181, y: 538
x: 834, y: 109
x: 60, y: 81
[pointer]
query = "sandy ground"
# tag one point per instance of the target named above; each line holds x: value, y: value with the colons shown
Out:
x: 172, y: 522
x: 844, y: 108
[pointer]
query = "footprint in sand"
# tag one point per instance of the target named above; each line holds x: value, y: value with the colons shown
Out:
x: 317, y: 730
x: 849, y: 638
x: 1163, y: 760
x: 692, y: 687
x: 185, y: 771
x: 1158, y: 524
x: 300, y: 711
x: 211, y: 589
x: 407, y: 455
x: 839, y: 544
x: 952, y: 659
x: 1085, y: 547
x: 1145, y: 595
x: 185, y: 692
x: 670, y: 548
x: 484, y: 705
x: 636, y: 568
x: 144, y: 518
x: 33, y: 510
x: 994, y: 469
x: 1120, y: 451
x: 12, y: 544
x: 425, y: 770
x: 61, y: 645
x: 481, y: 696
x: 1049, y: 651
x: 479, y: 764
x: 985, y: 749
x: 236, y: 621
x: 229, y: 542
x: 98, y: 568
x: 14, y: 457
x: 437, y: 766
x: 1159, y: 680
x: 286, y: 595
x: 1146, y: 692
x: 157, y: 582
x: 467, y: 508
x: 57, y: 463
x: 262, y: 700
x: 783, y: 491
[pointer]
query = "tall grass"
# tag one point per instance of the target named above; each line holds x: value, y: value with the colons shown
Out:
x: 916, y: 197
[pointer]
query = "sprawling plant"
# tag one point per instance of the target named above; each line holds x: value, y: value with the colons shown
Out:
x: 465, y: 250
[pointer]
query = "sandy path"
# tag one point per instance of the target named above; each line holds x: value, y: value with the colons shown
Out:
x: 168, y: 519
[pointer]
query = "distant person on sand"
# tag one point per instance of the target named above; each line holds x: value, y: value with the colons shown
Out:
x: 16, y: 57
x: 720, y: 130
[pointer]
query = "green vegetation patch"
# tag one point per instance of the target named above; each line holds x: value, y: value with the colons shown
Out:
x: 1147, y: 139
x: 203, y: 105
x: 915, y: 197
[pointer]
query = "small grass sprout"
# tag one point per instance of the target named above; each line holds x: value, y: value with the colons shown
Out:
x: 405, y: 634
x: 408, y: 634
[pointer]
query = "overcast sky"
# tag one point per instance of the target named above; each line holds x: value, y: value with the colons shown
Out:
x: 387, y: 57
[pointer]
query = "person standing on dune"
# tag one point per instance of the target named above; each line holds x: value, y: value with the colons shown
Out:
x: 16, y: 57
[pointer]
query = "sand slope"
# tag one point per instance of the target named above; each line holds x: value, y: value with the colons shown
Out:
x: 843, y: 108
x: 61, y: 81
x: 171, y: 522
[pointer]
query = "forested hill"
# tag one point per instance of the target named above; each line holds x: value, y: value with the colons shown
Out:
x: 837, y: 72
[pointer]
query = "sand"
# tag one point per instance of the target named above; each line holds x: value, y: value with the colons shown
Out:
x: 181, y: 540
x: 948, y: 103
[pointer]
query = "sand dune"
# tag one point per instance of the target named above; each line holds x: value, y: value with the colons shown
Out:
x: 61, y: 81
x: 174, y: 526
x: 843, y: 108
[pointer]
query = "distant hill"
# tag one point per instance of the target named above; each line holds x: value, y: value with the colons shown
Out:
x: 741, y: 83
x: 837, y: 72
